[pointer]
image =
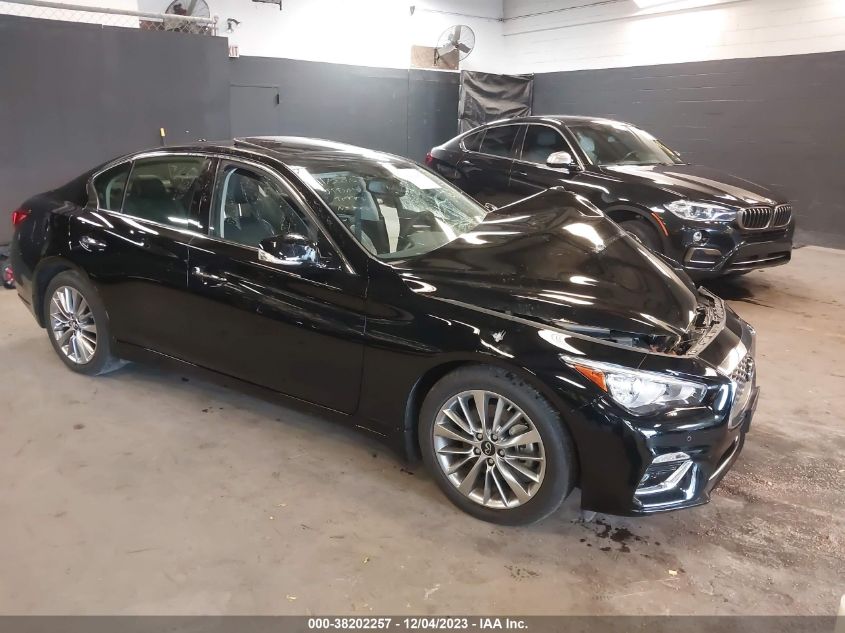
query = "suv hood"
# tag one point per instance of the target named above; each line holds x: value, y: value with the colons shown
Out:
x: 696, y: 183
x: 557, y: 260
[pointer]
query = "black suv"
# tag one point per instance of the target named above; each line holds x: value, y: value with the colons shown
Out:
x: 712, y: 223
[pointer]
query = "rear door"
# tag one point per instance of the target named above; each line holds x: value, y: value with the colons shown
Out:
x: 133, y: 240
x: 296, y: 329
x: 487, y: 170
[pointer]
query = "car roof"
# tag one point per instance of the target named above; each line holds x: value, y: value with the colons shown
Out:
x: 552, y: 118
x: 288, y: 148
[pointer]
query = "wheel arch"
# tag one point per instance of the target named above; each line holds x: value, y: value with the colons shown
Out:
x: 44, y: 273
x: 433, y: 374
x: 622, y: 212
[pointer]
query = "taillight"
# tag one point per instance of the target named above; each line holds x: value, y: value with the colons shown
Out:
x: 19, y: 216
x: 429, y: 159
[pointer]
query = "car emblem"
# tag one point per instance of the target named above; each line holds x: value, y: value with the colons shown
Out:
x: 498, y: 336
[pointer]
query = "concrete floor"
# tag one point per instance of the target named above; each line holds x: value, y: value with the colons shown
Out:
x: 141, y: 493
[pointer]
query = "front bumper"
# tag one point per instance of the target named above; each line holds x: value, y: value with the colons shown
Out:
x: 726, y: 249
x: 636, y: 467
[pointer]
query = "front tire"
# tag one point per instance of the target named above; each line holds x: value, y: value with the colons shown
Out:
x: 495, y: 446
x: 644, y: 233
x: 78, y: 325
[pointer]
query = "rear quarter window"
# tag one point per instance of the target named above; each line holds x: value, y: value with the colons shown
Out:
x: 110, y: 186
x: 473, y: 142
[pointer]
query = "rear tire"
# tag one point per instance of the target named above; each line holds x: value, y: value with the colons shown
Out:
x: 532, y: 461
x: 644, y: 233
x: 78, y: 325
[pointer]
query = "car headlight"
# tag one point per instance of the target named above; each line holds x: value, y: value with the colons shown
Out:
x: 701, y: 211
x: 640, y: 392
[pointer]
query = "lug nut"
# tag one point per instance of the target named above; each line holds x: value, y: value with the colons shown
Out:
x: 477, y: 451
x: 478, y: 436
x: 495, y: 438
x: 501, y: 453
x: 490, y: 462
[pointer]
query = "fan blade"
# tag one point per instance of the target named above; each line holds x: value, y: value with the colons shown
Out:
x: 445, y: 50
x: 464, y: 48
x: 456, y: 35
x: 191, y: 7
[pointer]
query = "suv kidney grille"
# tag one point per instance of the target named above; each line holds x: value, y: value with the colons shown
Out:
x: 783, y: 214
x: 765, y: 217
x: 755, y: 217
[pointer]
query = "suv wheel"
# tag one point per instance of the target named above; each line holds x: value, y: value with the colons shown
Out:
x: 77, y: 325
x: 495, y: 446
x: 644, y: 233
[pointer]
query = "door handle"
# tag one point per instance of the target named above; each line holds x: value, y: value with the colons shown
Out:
x: 209, y: 279
x: 91, y: 244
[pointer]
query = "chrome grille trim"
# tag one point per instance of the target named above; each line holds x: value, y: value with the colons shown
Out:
x: 755, y: 217
x: 782, y: 215
x: 758, y: 218
x: 743, y: 379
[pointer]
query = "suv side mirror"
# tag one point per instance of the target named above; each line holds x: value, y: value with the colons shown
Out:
x: 562, y: 159
x: 292, y: 249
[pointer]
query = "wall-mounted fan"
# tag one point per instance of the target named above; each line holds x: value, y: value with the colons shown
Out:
x: 187, y: 8
x: 191, y: 8
x: 454, y: 45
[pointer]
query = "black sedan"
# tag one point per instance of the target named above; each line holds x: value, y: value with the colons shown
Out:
x: 712, y: 223
x: 519, y: 352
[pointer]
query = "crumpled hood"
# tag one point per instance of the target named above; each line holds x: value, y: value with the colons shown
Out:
x: 556, y: 260
x: 698, y: 183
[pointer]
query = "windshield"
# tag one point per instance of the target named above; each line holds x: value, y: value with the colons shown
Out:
x: 611, y: 143
x: 394, y: 208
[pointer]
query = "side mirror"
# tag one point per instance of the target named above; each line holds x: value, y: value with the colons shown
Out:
x: 292, y: 249
x: 561, y: 159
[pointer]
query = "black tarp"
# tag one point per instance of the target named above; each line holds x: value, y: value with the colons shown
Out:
x: 486, y: 97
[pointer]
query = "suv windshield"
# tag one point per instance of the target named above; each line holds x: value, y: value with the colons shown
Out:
x: 612, y: 143
x: 394, y: 208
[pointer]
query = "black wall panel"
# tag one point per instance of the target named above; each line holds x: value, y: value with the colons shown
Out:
x: 74, y: 95
x: 394, y: 110
x: 774, y: 120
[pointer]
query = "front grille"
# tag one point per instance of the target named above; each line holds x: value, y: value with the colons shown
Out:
x: 744, y: 371
x: 743, y: 378
x: 782, y: 216
x: 755, y: 217
x: 765, y: 217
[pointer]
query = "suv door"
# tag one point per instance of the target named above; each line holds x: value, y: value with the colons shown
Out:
x: 132, y: 240
x: 530, y: 174
x: 293, y: 328
x: 486, y: 171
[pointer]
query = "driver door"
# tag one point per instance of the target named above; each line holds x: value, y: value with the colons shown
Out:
x: 295, y: 328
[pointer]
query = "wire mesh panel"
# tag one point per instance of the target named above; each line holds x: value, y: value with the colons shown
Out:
x: 108, y: 17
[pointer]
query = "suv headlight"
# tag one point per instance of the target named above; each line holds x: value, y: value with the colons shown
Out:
x: 701, y: 211
x: 637, y: 391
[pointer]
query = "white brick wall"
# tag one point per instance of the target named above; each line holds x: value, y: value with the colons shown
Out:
x: 619, y: 34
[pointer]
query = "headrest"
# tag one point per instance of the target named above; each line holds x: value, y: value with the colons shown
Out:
x: 241, y: 190
x: 547, y: 138
x: 148, y: 187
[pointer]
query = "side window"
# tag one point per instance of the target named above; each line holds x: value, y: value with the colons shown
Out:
x: 499, y: 140
x: 164, y: 188
x: 473, y: 142
x: 540, y: 141
x: 250, y: 205
x: 110, y: 186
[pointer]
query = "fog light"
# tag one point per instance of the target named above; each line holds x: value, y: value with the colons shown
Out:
x: 697, y: 236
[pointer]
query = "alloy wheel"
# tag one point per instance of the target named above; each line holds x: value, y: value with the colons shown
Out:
x: 72, y: 324
x: 489, y: 449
